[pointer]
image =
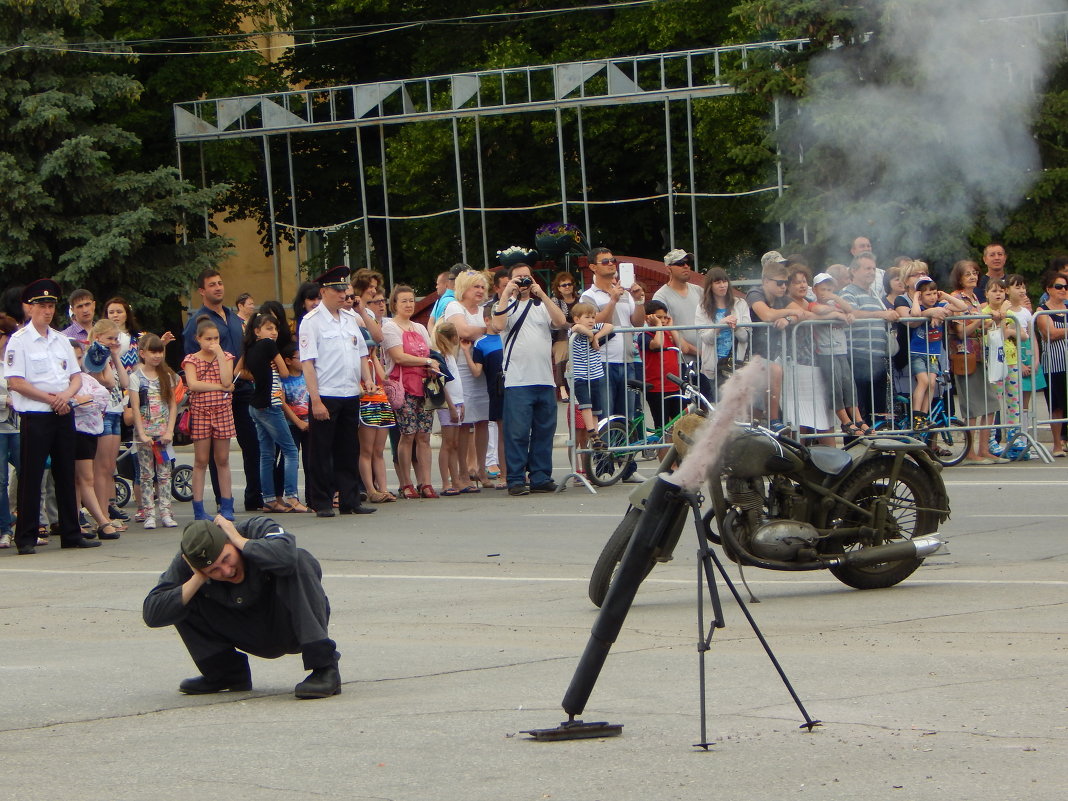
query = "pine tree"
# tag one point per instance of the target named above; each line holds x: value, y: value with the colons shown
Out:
x: 73, y: 204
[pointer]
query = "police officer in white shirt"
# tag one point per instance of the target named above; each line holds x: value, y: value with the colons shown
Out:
x: 333, y: 354
x: 43, y: 376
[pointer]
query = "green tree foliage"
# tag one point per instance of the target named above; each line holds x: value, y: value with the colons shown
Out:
x: 624, y: 146
x: 68, y: 206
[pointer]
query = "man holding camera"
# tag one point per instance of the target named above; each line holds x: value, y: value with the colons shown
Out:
x: 526, y: 317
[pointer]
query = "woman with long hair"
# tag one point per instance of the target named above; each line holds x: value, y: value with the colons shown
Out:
x: 723, y: 348
x: 306, y: 299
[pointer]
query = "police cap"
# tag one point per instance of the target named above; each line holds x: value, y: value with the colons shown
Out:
x: 335, y: 278
x: 43, y: 290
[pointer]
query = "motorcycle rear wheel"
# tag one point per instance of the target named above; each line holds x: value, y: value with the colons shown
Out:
x: 909, y: 500
x: 612, y: 554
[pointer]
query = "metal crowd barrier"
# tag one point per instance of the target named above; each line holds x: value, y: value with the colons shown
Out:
x: 797, y: 386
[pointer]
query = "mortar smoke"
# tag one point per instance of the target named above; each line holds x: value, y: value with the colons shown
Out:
x: 735, y: 399
x: 927, y: 125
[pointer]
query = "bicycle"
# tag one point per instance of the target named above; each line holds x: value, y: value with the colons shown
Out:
x: 948, y: 446
x: 607, y: 467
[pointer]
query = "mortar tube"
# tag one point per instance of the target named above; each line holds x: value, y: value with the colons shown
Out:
x: 664, y: 508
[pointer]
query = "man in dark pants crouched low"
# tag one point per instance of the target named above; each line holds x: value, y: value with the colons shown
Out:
x: 245, y: 588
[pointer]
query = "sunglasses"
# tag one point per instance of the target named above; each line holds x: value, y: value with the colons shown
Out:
x: 608, y: 261
x: 350, y: 297
x: 1060, y: 286
x: 778, y: 281
x: 565, y: 283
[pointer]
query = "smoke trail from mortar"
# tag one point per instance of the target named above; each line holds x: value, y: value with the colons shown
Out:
x: 736, y: 397
x: 910, y: 136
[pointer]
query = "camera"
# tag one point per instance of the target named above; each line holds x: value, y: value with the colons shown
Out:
x: 524, y: 281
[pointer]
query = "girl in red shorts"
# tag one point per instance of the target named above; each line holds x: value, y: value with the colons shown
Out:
x: 209, y: 374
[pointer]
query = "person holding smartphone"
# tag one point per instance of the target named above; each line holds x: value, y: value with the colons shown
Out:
x: 622, y: 307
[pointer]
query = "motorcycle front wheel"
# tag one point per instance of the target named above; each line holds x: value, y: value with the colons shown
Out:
x: 612, y: 554
x: 909, y: 503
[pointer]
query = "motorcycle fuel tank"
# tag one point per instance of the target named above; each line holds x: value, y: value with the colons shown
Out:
x: 751, y: 454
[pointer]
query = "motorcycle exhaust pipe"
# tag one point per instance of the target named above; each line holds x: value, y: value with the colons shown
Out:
x: 896, y: 551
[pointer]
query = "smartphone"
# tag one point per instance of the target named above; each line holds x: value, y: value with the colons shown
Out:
x: 626, y: 274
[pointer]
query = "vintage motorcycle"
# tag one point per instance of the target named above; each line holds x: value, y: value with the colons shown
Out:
x: 868, y: 512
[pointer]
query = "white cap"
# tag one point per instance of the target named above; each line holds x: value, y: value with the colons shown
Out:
x: 821, y: 277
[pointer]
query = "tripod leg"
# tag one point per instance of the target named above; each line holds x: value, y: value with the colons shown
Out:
x: 708, y: 558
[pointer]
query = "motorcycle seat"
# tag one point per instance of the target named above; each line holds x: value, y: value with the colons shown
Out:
x: 831, y: 461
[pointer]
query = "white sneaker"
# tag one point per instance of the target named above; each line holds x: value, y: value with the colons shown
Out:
x: 5, y: 540
x: 168, y: 521
x: 150, y: 522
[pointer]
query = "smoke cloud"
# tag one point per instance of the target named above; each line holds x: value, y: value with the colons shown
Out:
x: 906, y: 140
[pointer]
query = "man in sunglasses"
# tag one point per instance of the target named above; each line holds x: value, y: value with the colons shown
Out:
x: 681, y: 298
x: 769, y: 304
x: 622, y: 308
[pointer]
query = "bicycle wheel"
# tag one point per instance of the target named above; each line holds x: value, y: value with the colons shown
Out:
x: 606, y: 467
x: 949, y: 447
x: 122, y: 491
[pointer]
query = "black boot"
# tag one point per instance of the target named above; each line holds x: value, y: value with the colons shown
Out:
x: 225, y: 672
x: 321, y: 683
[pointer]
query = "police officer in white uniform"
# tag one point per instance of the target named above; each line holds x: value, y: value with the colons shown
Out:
x: 333, y: 354
x: 43, y: 376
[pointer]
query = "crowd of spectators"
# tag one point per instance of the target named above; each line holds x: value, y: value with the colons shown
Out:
x: 314, y: 395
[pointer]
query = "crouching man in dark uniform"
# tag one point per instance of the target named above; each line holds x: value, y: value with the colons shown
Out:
x: 246, y: 588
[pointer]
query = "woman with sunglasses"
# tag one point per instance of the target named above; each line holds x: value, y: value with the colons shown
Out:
x: 565, y: 297
x: 1051, y: 326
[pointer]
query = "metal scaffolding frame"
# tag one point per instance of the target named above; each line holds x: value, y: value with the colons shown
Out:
x: 558, y: 88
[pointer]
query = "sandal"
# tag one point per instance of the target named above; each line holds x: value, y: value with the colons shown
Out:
x: 469, y: 490
x: 276, y: 506
x: 296, y: 506
x: 427, y: 491
x: 450, y: 492
x: 408, y: 491
x: 850, y: 430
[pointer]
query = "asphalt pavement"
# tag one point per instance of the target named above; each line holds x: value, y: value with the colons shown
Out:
x: 461, y: 621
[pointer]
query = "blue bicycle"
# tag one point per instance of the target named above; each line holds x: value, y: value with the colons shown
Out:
x: 947, y: 444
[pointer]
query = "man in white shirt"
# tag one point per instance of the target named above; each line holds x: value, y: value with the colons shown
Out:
x: 333, y: 354
x: 620, y: 307
x: 525, y: 316
x: 43, y: 376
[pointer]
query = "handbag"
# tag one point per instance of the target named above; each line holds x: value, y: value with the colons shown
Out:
x: 434, y: 392
x: 183, y: 431
x: 394, y: 393
x: 996, y: 369
x: 963, y: 360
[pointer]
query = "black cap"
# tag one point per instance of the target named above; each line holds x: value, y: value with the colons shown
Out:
x: 335, y: 278
x: 458, y: 268
x: 43, y: 290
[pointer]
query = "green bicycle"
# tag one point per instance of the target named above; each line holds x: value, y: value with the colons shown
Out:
x: 607, y: 467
